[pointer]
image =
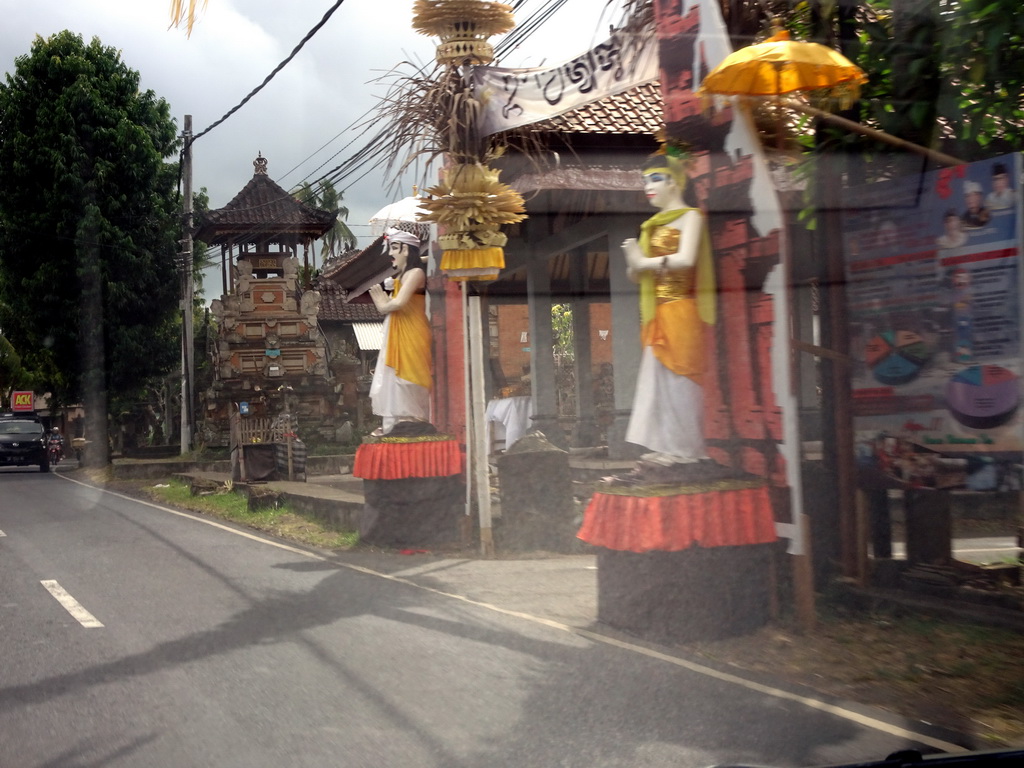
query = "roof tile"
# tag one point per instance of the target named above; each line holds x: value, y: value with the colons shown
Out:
x: 638, y: 110
x: 334, y: 308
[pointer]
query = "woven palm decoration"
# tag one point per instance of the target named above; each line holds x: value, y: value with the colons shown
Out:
x: 463, y: 26
x: 470, y: 204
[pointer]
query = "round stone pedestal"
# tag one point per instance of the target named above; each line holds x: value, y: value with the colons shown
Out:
x: 415, y: 512
x: 686, y: 596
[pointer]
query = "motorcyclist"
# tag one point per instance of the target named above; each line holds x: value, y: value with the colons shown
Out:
x: 56, y: 438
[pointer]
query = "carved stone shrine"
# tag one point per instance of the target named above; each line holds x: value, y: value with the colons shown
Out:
x: 269, y: 356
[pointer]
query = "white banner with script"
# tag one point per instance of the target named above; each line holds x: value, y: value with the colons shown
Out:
x: 515, y: 97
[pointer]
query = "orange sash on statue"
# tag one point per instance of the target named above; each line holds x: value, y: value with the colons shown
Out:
x: 408, y: 344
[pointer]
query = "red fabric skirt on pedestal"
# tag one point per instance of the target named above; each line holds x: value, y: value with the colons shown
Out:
x: 671, y: 522
x: 400, y: 459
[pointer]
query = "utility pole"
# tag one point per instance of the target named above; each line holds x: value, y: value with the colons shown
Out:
x: 185, y: 268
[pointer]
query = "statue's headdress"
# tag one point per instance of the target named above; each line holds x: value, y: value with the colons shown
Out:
x: 394, y: 235
x: 674, y: 156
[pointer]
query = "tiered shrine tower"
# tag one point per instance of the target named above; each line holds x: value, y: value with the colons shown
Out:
x: 270, y: 355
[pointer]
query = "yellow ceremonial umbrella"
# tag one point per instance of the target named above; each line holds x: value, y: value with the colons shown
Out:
x: 779, y: 66
x: 773, y: 69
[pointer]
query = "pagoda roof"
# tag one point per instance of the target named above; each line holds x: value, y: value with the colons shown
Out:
x: 262, y: 208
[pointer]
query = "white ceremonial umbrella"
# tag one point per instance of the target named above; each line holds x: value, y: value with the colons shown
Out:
x: 403, y: 214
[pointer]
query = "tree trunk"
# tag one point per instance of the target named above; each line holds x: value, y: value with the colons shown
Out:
x: 91, y: 330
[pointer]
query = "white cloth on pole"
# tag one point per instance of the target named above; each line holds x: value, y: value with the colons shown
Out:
x: 508, y: 418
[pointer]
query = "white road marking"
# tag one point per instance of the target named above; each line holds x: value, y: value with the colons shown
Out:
x: 436, y: 565
x: 807, y: 701
x: 71, y: 605
x: 2, y: 534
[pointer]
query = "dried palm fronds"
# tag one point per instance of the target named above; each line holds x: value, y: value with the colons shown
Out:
x: 182, y: 15
x: 426, y: 115
x: 436, y: 114
x: 430, y: 114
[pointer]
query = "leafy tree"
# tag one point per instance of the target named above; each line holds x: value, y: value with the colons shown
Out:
x: 564, y: 351
x: 983, y: 55
x: 561, y: 325
x: 947, y: 75
x: 88, y: 225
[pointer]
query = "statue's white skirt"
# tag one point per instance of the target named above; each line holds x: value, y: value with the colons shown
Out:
x: 668, y: 411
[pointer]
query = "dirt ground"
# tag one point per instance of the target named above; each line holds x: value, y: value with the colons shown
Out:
x: 964, y: 677
x: 967, y: 678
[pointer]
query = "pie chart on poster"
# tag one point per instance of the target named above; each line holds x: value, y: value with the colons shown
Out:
x: 896, y: 357
x: 983, y: 396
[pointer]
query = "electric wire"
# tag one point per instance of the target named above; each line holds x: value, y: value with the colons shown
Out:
x: 524, y: 30
x: 368, y: 154
x: 277, y: 69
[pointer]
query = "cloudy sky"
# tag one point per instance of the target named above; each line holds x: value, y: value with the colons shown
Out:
x: 303, y: 120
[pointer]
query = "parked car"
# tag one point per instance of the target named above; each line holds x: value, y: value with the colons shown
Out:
x: 23, y: 442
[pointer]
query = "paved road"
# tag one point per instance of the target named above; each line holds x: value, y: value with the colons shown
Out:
x: 132, y: 635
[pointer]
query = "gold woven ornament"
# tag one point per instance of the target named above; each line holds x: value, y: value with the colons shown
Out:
x: 470, y: 196
x: 463, y: 26
x: 471, y: 204
x: 475, y: 238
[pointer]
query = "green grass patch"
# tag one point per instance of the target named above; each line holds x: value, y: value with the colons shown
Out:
x: 280, y: 521
x: 225, y: 503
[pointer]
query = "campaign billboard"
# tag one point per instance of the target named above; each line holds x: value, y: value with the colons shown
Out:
x: 933, y: 289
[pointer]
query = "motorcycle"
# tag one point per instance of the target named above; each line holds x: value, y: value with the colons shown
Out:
x: 54, y: 452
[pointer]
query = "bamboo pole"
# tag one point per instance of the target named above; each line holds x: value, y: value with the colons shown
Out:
x: 480, y: 467
x: 468, y: 405
x: 939, y: 158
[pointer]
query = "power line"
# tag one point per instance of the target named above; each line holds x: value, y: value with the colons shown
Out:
x: 308, y: 36
x: 522, y: 31
x: 277, y: 69
x: 359, y: 161
x: 329, y: 159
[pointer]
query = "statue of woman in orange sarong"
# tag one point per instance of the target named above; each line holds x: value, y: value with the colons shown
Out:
x: 400, y: 390
x: 672, y: 263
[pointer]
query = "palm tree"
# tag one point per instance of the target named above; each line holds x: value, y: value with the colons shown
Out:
x: 339, y: 238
